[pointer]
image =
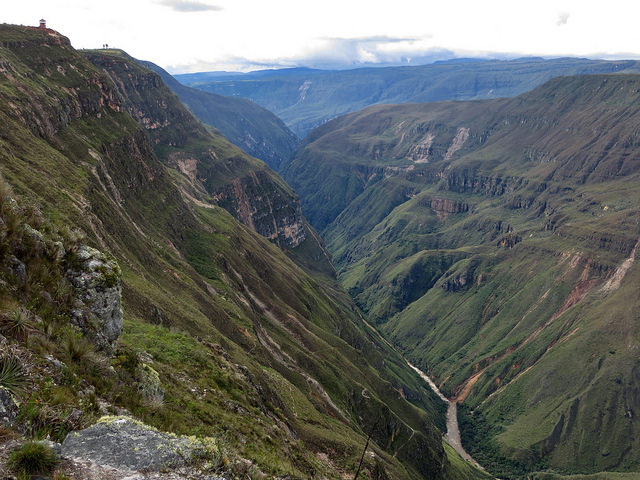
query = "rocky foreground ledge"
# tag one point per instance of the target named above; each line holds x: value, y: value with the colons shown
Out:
x: 122, y: 448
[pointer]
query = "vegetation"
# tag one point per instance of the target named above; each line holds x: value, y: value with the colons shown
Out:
x: 33, y: 458
x: 12, y: 375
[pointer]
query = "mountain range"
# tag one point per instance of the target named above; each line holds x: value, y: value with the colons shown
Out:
x: 494, y: 243
x: 306, y: 98
x: 171, y: 308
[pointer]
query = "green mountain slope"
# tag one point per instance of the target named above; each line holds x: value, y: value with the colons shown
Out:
x: 224, y: 335
x: 494, y: 242
x: 254, y: 129
x: 214, y: 171
x: 306, y: 98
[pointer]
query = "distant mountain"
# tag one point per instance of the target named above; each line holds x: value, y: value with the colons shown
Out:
x: 495, y: 242
x: 254, y: 129
x: 306, y: 98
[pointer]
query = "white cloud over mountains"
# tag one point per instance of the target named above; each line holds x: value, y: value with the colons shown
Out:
x: 188, y: 6
x: 191, y: 35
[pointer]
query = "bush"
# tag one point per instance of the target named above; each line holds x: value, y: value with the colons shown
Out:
x: 33, y: 458
x: 42, y: 420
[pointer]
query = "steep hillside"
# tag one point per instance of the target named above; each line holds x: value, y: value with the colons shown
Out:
x: 494, y: 242
x: 306, y: 98
x: 214, y: 171
x: 223, y: 336
x: 249, y: 126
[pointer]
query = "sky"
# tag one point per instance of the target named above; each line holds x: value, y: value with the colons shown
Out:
x: 241, y: 35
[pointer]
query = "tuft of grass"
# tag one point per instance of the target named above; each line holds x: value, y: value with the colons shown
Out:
x: 6, y: 433
x: 17, y: 324
x: 33, y: 458
x: 77, y: 348
x: 12, y: 375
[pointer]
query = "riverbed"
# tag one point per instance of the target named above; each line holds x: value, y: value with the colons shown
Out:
x: 453, y: 431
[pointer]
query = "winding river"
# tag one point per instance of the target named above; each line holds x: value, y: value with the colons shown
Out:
x: 453, y: 432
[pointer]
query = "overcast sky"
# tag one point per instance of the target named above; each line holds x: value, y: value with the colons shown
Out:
x: 202, y: 35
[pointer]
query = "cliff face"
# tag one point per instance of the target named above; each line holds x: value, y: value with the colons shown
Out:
x: 272, y: 214
x: 87, y: 93
x: 218, y: 172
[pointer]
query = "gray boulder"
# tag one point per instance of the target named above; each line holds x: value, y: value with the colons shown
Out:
x: 8, y: 407
x: 17, y: 269
x: 98, y: 306
x: 127, y: 444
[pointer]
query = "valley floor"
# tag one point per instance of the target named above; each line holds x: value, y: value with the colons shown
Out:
x: 453, y: 431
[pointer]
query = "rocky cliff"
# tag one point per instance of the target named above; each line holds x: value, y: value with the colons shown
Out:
x: 218, y: 172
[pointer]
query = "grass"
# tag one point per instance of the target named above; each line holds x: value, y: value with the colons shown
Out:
x: 33, y: 458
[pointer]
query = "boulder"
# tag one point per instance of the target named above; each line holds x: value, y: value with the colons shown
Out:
x: 149, y: 383
x: 127, y: 444
x: 96, y: 279
x: 8, y: 407
x: 17, y: 269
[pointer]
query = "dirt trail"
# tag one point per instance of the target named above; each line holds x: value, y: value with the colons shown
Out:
x: 453, y: 431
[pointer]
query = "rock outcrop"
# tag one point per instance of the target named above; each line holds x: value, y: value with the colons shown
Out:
x: 125, y: 444
x: 8, y: 407
x: 98, y: 303
x: 444, y: 206
x: 269, y: 211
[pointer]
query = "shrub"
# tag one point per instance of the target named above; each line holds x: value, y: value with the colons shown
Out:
x: 12, y: 376
x: 33, y: 458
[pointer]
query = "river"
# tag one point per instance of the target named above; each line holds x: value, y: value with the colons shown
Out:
x: 453, y: 431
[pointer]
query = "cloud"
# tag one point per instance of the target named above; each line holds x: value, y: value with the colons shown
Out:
x: 189, y: 6
x: 345, y: 53
x: 342, y: 53
x: 562, y: 18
